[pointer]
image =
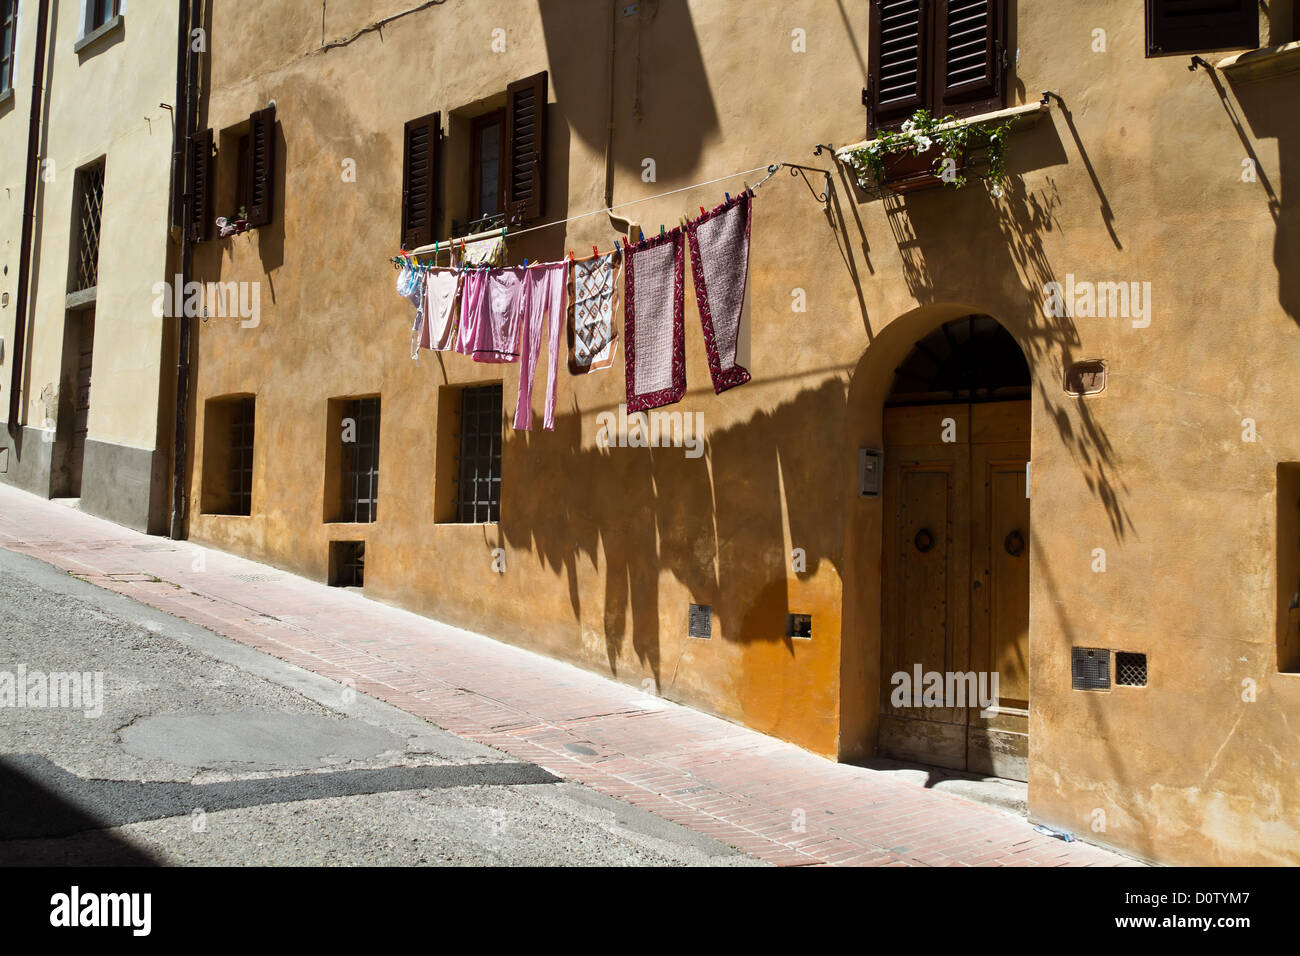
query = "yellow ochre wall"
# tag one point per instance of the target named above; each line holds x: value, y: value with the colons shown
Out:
x: 1137, y: 177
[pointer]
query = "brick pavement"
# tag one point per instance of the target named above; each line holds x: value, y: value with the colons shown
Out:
x: 766, y: 797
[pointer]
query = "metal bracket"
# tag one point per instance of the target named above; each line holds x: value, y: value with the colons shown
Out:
x: 802, y: 171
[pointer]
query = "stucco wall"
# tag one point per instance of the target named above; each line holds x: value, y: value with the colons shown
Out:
x: 1137, y: 177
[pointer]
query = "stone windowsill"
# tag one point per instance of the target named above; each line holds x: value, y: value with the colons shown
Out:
x: 1266, y: 61
x: 94, y: 36
x: 1016, y: 115
x: 83, y: 299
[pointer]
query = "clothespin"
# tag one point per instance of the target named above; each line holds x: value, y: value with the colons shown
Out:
x: 525, y: 262
x: 661, y: 229
x: 595, y: 251
x: 617, y: 247
x: 642, y: 233
x: 701, y: 210
x: 728, y: 195
x: 746, y: 185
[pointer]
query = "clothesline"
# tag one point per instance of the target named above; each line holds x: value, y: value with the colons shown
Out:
x: 770, y: 169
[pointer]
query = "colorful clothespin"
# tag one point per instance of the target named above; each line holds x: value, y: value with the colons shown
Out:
x: 525, y: 262
x: 661, y: 229
x: 617, y: 247
x: 595, y: 251
x: 728, y: 195
x: 701, y: 210
x: 642, y: 233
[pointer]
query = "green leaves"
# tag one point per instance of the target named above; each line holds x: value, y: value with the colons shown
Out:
x: 949, y: 138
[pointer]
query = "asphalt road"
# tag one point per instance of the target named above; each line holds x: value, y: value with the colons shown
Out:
x: 200, y: 750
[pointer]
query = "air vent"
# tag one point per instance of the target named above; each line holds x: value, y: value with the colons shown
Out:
x: 1090, y: 668
x: 701, y: 621
x: 347, y: 564
x: 798, y: 625
x: 1130, y: 669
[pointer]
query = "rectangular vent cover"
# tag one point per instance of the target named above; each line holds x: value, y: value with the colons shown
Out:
x: 798, y: 625
x: 1130, y: 669
x: 1090, y: 668
x: 701, y: 620
x: 347, y: 564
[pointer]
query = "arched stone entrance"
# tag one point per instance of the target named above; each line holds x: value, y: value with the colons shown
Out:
x: 954, y: 633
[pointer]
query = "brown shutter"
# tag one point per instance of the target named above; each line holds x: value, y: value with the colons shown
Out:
x: 1197, y: 26
x: 420, y: 181
x: 526, y: 148
x: 261, y: 166
x: 200, y: 171
x: 970, y: 56
x: 898, y: 57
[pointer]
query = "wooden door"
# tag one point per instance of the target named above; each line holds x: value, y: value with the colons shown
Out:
x: 81, y: 408
x: 956, y: 583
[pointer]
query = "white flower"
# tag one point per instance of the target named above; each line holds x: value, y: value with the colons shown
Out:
x: 908, y: 127
x: 996, y: 191
x: 923, y: 144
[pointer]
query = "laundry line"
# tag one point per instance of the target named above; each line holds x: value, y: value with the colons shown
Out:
x: 448, y: 244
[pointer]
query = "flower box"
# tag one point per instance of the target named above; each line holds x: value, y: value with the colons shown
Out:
x: 906, y: 171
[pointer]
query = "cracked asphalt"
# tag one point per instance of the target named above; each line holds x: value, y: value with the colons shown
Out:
x: 209, y: 752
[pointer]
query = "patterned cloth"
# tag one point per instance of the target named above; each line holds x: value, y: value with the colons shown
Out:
x: 655, y: 332
x: 593, y: 303
x: 719, y: 242
x: 485, y: 252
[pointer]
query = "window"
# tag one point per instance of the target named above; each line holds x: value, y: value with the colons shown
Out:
x: 347, y: 564
x: 99, y: 12
x: 486, y: 136
x: 1198, y: 26
x: 1288, y: 567
x: 8, y: 34
x: 421, y: 152
x: 478, y: 486
x: 228, y: 455
x: 947, y: 57
x: 90, y: 210
x: 359, y: 433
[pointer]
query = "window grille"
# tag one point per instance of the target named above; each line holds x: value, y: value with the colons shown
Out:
x: 89, y: 216
x: 347, y: 564
x: 1090, y: 668
x: 1130, y: 669
x: 700, y: 620
x: 8, y: 20
x: 478, y: 489
x: 361, y: 460
x: 241, y: 457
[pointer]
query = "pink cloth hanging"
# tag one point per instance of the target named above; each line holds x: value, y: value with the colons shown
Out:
x: 473, y: 301
x: 652, y: 314
x: 543, y: 298
x: 719, y: 241
x: 496, y: 339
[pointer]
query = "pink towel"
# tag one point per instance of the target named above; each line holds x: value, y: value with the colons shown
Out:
x: 473, y: 302
x: 497, y: 337
x: 655, y: 333
x: 719, y: 242
x: 442, y: 288
x: 543, y: 297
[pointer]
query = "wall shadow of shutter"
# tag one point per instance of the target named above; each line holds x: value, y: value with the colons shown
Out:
x: 420, y: 180
x: 898, y: 77
x: 260, y: 174
x: 970, y: 61
x: 1199, y: 26
x: 201, y: 167
x: 526, y: 149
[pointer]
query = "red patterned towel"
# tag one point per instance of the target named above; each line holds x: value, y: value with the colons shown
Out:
x: 720, y: 270
x: 654, y: 330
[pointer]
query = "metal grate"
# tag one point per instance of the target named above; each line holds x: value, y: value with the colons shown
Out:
x: 1090, y: 668
x: 90, y: 210
x: 360, y: 459
x: 798, y: 625
x: 478, y: 489
x: 347, y: 564
x: 1130, y: 669
x: 700, y: 622
x: 241, y: 456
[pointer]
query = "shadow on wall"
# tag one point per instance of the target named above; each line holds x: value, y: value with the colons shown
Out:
x: 659, y: 37
x: 716, y: 523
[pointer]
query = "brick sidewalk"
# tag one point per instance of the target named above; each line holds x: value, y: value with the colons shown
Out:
x: 735, y: 785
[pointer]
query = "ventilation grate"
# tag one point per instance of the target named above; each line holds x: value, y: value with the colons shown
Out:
x: 1090, y: 668
x: 701, y: 621
x: 1130, y: 669
x: 347, y: 564
x: 798, y: 625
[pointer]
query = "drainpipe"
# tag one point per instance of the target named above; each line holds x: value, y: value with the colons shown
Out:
x: 29, y: 219
x: 614, y: 220
x: 187, y: 54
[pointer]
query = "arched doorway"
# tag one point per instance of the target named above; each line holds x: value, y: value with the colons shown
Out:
x: 955, y: 601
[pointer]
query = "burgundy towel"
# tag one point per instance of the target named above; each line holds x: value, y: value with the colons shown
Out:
x: 654, y: 330
x: 719, y: 242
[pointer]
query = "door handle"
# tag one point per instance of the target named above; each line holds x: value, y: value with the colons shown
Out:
x: 1015, y: 544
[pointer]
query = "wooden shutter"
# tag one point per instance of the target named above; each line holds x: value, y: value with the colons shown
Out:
x: 200, y: 171
x: 898, y: 80
x: 1197, y: 26
x: 526, y: 148
x: 970, y: 56
x: 261, y: 166
x: 420, y: 181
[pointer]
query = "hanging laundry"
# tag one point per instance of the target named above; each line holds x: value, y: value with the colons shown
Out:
x: 473, y: 304
x: 442, y: 308
x: 496, y: 338
x: 485, y: 252
x: 410, y: 285
x: 593, y: 304
x: 655, y: 336
x: 719, y: 242
x: 543, y: 298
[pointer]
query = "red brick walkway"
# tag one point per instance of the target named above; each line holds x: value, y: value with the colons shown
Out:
x: 769, y: 799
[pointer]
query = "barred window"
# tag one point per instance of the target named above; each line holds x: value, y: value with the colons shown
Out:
x: 478, y: 489
x: 90, y: 210
x: 8, y: 31
x: 360, y: 435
